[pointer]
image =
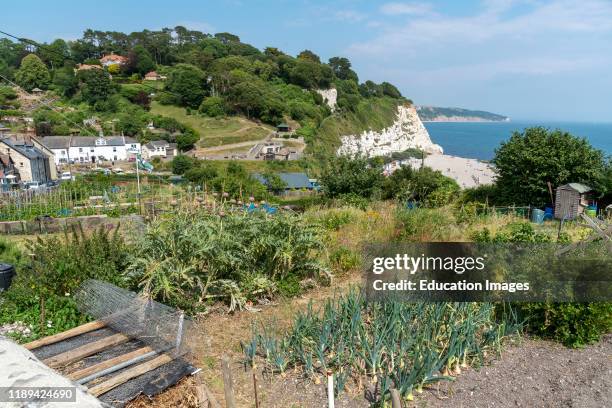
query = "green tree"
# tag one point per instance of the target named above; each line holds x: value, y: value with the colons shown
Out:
x: 55, y: 54
x: 201, y: 174
x: 351, y: 176
x: 308, y: 55
x: 181, y: 163
x: 65, y: 82
x: 95, y: 85
x: 131, y: 123
x: 342, y: 69
x: 139, y: 61
x: 213, y: 106
x: 274, y: 182
x: 309, y: 74
x: 187, y: 83
x: 390, y: 90
x: 530, y: 159
x: 186, y: 140
x: 32, y: 73
x: 425, y: 185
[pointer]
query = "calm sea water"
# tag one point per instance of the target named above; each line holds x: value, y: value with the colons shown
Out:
x: 479, y: 140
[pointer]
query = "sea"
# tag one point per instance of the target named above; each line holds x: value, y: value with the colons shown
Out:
x: 478, y: 140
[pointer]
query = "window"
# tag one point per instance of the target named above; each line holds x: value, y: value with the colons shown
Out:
x: 80, y: 150
x: 114, y: 150
x: 20, y: 164
x: 91, y: 150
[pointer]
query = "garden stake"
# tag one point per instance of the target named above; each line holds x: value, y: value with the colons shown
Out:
x: 330, y: 389
x: 255, y: 386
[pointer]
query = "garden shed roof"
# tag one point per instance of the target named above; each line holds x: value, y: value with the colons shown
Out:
x: 579, y: 187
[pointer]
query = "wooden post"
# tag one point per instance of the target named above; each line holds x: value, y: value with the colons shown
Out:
x: 227, y: 382
x: 255, y: 388
x: 396, y: 402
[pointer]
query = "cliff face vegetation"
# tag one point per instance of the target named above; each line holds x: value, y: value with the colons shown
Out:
x: 373, y: 114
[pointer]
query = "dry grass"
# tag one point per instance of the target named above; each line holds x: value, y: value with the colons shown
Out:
x: 182, y: 395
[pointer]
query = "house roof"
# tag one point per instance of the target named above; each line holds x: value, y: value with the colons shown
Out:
x: 112, y: 58
x: 62, y: 142
x: 579, y: 187
x: 56, y: 142
x: 157, y: 143
x: 292, y: 180
x: 28, y: 151
x: 282, y: 125
x: 151, y: 74
x: 37, y: 90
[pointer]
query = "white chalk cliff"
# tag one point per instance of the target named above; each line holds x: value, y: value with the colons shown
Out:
x: 406, y: 132
x: 330, y: 97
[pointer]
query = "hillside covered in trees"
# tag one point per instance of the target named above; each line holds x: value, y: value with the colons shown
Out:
x: 208, y: 75
x: 437, y: 114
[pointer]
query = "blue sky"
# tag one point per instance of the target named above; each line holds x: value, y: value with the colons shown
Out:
x: 529, y: 59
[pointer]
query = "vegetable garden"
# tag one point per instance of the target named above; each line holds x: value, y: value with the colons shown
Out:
x: 376, y: 347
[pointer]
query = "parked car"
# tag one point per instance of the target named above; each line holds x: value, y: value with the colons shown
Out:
x: 33, y: 185
x: 66, y: 176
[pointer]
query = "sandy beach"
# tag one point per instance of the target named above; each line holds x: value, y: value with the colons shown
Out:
x: 466, y: 172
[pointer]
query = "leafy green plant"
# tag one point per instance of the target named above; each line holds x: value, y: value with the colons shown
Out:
x: 233, y: 256
x: 573, y: 324
x: 390, y: 344
x: 345, y: 259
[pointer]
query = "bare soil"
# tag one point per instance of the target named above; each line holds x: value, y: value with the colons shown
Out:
x: 535, y: 373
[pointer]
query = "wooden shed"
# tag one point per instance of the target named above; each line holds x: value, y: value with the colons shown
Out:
x: 283, y: 128
x: 571, y: 200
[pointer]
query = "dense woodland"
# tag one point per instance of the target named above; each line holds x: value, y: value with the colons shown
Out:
x: 212, y: 75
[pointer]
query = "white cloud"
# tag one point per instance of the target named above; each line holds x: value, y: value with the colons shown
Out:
x: 549, y: 21
x: 395, y: 9
x: 350, y: 16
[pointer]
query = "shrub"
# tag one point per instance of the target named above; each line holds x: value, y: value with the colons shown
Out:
x: 58, y: 266
x: 344, y: 259
x: 185, y: 261
x: 181, y: 164
x: 213, y: 106
x: 573, y: 324
x: 356, y: 176
x: 429, y: 187
x: 333, y: 220
x: 423, y: 225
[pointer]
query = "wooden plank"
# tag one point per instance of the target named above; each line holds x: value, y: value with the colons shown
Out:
x: 56, y: 338
x: 85, y: 350
x: 206, y: 399
x: 127, y: 375
x: 96, y: 368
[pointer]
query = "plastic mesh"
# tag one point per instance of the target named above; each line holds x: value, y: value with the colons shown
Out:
x: 163, y: 328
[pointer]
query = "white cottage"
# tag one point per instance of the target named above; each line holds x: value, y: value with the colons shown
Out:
x: 88, y: 149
